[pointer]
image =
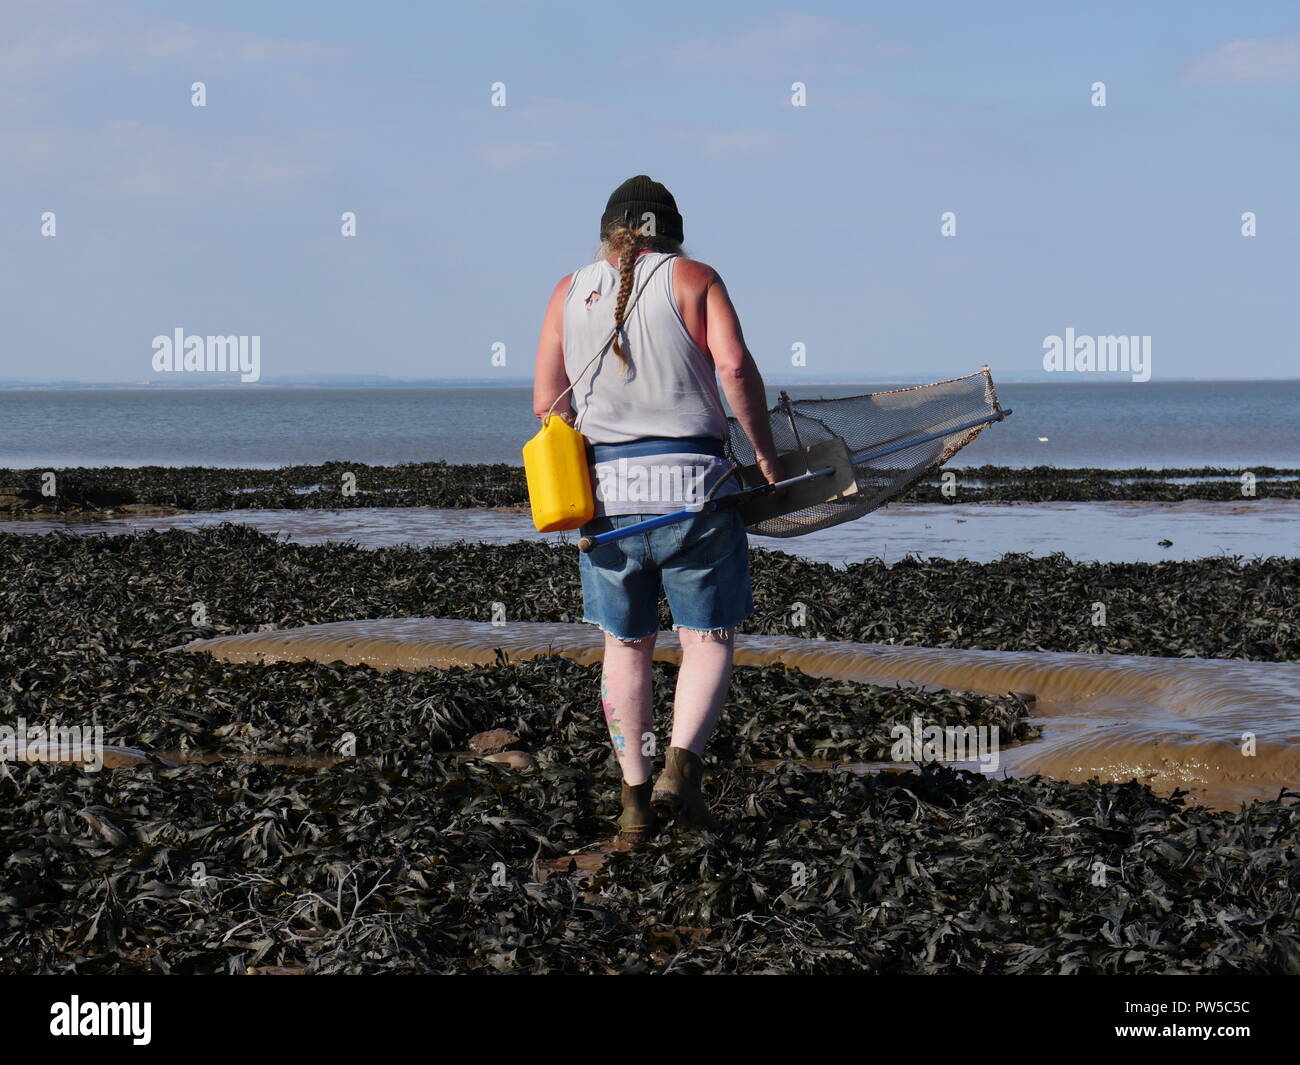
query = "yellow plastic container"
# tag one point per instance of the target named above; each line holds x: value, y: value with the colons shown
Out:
x: 559, y: 482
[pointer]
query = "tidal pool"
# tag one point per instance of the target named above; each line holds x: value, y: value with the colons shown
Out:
x: 981, y: 532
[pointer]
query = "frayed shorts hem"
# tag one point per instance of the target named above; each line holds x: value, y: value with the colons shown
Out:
x: 717, y: 632
x: 616, y: 636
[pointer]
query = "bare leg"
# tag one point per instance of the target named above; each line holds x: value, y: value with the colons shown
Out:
x: 702, y: 685
x: 625, y: 694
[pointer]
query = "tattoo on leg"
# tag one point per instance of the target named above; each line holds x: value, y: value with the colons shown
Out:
x: 615, y: 731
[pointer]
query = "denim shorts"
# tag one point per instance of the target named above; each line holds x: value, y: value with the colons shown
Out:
x: 701, y: 563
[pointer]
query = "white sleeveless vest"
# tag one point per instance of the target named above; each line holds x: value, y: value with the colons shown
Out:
x: 670, y: 389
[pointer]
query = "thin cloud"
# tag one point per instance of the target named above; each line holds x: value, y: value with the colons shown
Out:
x: 858, y: 103
x: 505, y: 155
x: 276, y: 49
x: 45, y: 49
x: 147, y: 159
x: 52, y: 49
x: 38, y: 43
x: 1250, y: 61
x: 795, y: 40
x: 726, y: 144
x: 28, y: 148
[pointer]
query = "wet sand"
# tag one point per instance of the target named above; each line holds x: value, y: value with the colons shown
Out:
x: 1172, y: 723
x: 980, y: 532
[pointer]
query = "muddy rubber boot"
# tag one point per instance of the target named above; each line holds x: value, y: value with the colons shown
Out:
x: 637, y: 822
x: 677, y: 792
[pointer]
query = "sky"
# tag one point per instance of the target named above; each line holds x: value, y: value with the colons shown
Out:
x: 823, y: 219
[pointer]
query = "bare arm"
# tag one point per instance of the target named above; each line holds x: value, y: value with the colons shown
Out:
x: 550, y: 378
x: 738, y: 373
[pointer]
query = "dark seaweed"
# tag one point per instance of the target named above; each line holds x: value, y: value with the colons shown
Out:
x: 1210, y: 608
x: 109, y: 489
x: 406, y: 858
x: 432, y: 867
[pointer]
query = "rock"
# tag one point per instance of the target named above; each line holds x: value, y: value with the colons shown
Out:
x: 149, y: 510
x: 517, y: 760
x: 98, y: 820
x: 493, y: 741
x: 128, y: 757
x: 97, y: 498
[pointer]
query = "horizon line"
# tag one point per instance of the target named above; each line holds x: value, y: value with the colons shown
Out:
x: 377, y: 383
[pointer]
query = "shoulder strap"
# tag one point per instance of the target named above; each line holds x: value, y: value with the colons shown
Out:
x: 605, y: 347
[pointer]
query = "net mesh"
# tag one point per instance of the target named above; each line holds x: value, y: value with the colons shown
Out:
x: 875, y: 422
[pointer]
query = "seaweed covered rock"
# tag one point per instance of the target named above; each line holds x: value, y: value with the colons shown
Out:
x: 340, y: 484
x: 398, y: 854
x: 434, y: 867
x: 153, y: 590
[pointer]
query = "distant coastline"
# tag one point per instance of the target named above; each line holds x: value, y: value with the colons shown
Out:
x: 208, y: 384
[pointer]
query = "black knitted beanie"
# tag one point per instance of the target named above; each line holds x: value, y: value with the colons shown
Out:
x: 636, y: 197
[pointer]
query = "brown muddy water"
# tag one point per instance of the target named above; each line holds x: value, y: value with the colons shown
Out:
x: 1167, y: 722
x: 980, y: 532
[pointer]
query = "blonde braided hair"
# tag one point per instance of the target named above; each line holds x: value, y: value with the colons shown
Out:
x: 627, y: 244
